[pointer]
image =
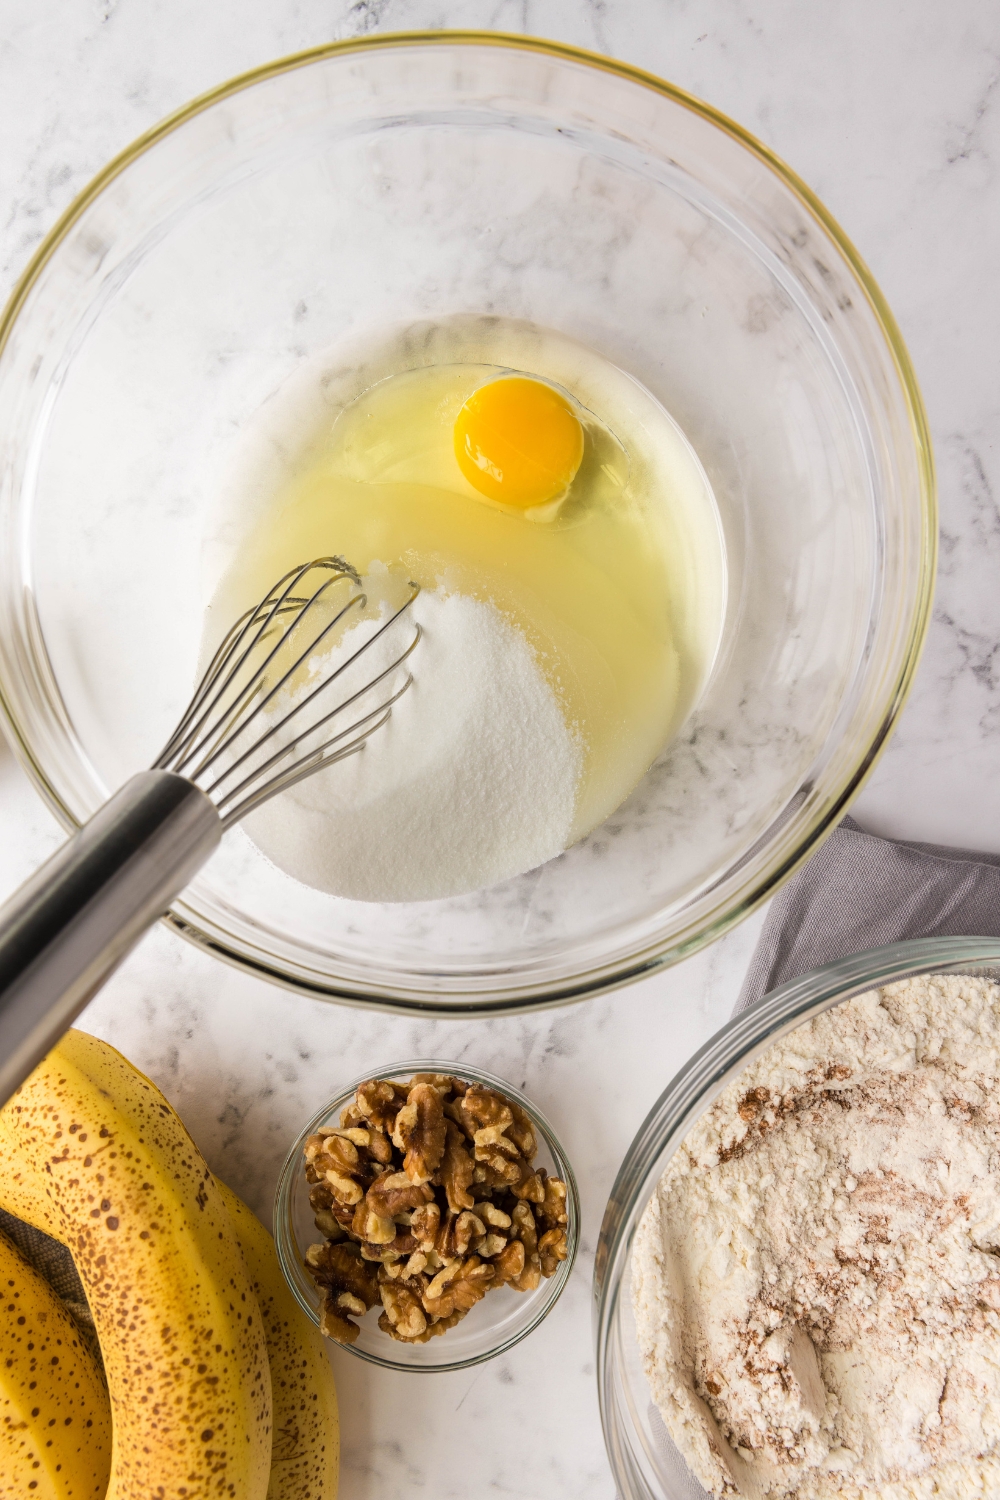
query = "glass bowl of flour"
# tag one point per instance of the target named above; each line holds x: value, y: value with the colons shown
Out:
x: 797, y: 1282
x: 411, y: 182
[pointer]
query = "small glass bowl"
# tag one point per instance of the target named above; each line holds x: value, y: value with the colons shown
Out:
x: 644, y: 1460
x: 502, y: 1319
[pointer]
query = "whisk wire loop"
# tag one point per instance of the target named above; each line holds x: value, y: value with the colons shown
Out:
x: 328, y: 682
x: 214, y: 740
x: 232, y: 720
x: 274, y: 602
x: 231, y: 713
x: 316, y: 759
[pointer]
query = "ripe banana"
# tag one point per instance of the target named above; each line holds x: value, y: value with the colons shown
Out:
x: 55, y: 1421
x: 305, y: 1455
x: 91, y: 1153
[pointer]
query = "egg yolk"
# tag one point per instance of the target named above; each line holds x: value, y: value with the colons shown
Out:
x: 518, y: 441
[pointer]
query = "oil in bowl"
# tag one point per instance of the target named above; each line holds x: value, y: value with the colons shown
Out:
x: 541, y: 498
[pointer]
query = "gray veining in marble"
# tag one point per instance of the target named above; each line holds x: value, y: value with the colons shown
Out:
x: 892, y: 113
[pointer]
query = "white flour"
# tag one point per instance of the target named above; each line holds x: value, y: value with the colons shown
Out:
x: 816, y: 1281
x: 472, y: 781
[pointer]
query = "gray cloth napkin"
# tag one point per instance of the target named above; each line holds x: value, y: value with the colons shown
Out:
x: 859, y: 892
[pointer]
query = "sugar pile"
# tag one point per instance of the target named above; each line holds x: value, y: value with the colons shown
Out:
x: 471, y: 782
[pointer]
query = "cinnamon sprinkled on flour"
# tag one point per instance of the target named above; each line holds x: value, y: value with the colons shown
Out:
x: 816, y: 1281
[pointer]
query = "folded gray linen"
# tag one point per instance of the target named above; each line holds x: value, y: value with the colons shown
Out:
x: 859, y: 892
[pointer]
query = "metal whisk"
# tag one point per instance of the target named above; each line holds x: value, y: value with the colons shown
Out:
x: 226, y: 726
x: 281, y: 699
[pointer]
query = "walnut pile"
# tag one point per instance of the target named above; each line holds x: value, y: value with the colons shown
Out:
x: 427, y: 1199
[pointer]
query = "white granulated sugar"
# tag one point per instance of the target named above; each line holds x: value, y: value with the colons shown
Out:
x: 816, y: 1281
x: 471, y: 782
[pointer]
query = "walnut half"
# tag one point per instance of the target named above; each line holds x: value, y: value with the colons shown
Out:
x: 419, y: 1132
x: 351, y: 1288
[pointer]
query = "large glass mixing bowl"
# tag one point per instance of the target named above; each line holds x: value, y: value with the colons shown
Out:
x: 412, y: 178
x: 644, y: 1459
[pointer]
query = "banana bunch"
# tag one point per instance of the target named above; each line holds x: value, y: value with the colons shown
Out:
x: 204, y: 1348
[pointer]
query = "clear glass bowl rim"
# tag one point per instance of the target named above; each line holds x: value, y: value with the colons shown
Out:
x: 286, y: 1182
x: 667, y: 949
x: 703, y: 1077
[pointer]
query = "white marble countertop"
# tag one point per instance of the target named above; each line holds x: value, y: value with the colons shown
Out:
x: 892, y: 113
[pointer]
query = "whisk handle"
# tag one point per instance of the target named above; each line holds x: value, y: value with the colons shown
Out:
x: 65, y: 931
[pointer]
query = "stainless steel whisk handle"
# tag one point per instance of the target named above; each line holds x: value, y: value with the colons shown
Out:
x: 259, y: 722
x: 65, y: 931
